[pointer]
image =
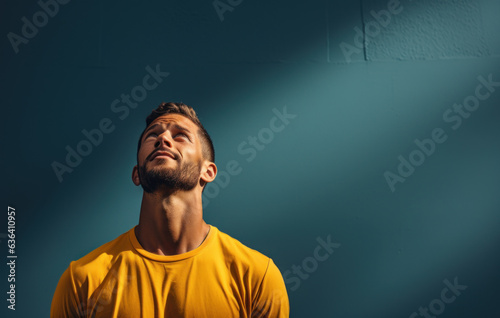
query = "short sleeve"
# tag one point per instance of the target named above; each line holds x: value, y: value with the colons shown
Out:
x: 64, y: 302
x: 271, y: 299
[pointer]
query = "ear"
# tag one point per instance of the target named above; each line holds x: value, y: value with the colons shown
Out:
x: 208, y: 172
x: 135, y: 176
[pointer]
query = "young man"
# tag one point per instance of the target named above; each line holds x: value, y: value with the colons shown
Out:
x: 172, y: 264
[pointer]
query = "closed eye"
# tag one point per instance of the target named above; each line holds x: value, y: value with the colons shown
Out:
x: 183, y: 135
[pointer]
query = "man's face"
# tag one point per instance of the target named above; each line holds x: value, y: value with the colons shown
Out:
x: 170, y: 156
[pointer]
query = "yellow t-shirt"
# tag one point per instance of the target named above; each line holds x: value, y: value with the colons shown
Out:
x: 220, y: 278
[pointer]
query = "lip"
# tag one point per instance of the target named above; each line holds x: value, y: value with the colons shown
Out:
x: 162, y: 154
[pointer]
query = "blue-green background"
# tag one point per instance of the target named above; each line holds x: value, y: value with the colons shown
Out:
x: 322, y: 175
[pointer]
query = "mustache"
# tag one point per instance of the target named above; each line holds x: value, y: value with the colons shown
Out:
x: 165, y: 150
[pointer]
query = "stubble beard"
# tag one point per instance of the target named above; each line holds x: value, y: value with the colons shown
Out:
x: 184, y: 178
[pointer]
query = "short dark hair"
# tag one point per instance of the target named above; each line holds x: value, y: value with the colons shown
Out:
x: 188, y: 112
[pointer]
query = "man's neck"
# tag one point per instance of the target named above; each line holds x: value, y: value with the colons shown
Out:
x: 172, y: 223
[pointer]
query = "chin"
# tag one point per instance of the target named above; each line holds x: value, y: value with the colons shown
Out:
x: 158, y: 164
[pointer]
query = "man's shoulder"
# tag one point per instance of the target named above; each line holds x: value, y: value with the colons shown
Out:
x: 240, y: 253
x: 101, y: 258
x: 254, y: 269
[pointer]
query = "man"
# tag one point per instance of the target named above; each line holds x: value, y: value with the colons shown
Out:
x: 172, y: 264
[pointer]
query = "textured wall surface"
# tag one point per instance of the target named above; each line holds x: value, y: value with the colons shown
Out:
x: 424, y: 30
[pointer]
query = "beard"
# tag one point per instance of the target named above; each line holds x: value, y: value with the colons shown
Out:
x: 185, y: 178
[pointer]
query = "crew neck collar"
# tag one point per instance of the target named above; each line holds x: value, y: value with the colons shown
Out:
x: 171, y: 258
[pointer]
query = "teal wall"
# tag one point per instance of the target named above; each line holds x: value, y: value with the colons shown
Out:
x: 362, y: 89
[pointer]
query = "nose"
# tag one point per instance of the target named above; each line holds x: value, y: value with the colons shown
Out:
x: 163, y: 139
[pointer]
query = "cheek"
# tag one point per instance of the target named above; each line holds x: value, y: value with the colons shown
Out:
x: 192, y: 153
x: 143, y: 154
